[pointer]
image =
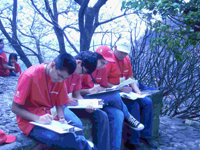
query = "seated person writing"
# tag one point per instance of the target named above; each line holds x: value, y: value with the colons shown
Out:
x: 142, y: 108
x: 4, y: 68
x: 102, y: 122
x: 41, y: 88
x: 13, y: 63
x: 104, y: 55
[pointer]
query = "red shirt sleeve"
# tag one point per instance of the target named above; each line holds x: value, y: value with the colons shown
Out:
x: 23, y: 89
x: 63, y: 98
x: 78, y: 84
x: 3, y: 58
x: 104, y: 80
x: 86, y: 82
x: 17, y: 68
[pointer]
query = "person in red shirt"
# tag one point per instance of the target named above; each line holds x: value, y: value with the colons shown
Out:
x: 4, y: 68
x: 120, y: 71
x: 113, y: 99
x: 86, y: 64
x: 41, y: 88
x: 13, y: 62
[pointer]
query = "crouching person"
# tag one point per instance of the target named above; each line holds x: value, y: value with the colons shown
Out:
x: 41, y: 87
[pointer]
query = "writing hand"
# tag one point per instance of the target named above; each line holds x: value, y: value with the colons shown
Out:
x: 126, y: 89
x: 95, y: 89
x: 63, y: 121
x: 45, y: 119
x: 90, y: 109
x: 73, y: 102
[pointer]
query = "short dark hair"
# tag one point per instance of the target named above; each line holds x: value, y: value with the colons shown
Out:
x: 13, y: 55
x: 65, y: 61
x: 99, y: 56
x: 1, y: 40
x: 89, y: 60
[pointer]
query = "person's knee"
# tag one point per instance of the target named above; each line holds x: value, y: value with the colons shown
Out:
x: 119, y: 115
x: 148, y: 102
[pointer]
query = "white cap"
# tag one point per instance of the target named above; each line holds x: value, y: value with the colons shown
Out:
x: 123, y: 47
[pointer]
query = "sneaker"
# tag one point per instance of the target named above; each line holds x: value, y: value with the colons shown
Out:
x: 133, y: 123
x: 91, y: 144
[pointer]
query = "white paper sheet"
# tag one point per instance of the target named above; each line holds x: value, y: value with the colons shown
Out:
x: 58, y: 127
x: 83, y: 103
x: 132, y: 95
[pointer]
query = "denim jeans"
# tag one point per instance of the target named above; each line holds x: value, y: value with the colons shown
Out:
x: 112, y: 99
x: 142, y: 110
x: 100, y: 124
x: 116, y: 111
x: 12, y: 73
x: 61, y: 141
x: 107, y: 127
x: 116, y: 119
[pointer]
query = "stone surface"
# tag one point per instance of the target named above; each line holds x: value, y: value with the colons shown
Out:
x: 174, y: 134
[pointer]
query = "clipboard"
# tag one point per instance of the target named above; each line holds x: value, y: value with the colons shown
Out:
x: 58, y: 127
x: 83, y: 103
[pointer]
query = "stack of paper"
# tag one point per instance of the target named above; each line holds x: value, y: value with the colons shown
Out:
x: 58, y: 127
x: 83, y: 103
x: 116, y: 87
x: 132, y: 95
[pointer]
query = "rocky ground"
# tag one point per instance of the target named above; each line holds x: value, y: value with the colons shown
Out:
x: 175, y: 134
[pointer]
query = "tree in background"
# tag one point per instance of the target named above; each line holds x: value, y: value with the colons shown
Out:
x: 57, y: 20
x: 13, y: 36
x: 179, y: 81
x: 179, y: 19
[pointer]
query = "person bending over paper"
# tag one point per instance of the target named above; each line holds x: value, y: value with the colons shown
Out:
x: 41, y: 87
x: 121, y: 70
x: 104, y: 55
x: 86, y: 64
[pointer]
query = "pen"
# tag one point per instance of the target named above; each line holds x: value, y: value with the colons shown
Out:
x: 69, y: 121
x: 45, y: 110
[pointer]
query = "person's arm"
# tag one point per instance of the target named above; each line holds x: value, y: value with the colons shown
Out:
x: 110, y: 85
x: 19, y: 111
x: 89, y: 109
x: 5, y: 66
x: 126, y: 89
x: 84, y: 92
x: 77, y: 95
x: 60, y: 113
x: 95, y: 89
x: 134, y: 86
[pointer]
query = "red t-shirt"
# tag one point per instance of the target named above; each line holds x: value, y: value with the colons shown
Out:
x: 99, y: 76
x: 17, y: 68
x: 3, y: 60
x: 34, y: 95
x: 121, y: 68
x: 73, y: 83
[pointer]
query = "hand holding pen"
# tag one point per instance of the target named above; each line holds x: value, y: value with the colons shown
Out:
x: 45, y: 119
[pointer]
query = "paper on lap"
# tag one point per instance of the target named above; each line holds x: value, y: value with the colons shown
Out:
x: 116, y: 87
x: 58, y: 127
x: 132, y: 95
x: 83, y: 103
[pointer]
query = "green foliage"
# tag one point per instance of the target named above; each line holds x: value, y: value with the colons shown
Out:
x: 180, y: 22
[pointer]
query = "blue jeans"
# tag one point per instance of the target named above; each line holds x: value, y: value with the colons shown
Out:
x: 112, y: 99
x: 100, y: 124
x: 116, y: 119
x: 142, y: 110
x: 61, y: 141
x: 107, y: 127
x: 12, y: 73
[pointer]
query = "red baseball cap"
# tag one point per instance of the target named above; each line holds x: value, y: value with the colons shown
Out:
x: 106, y: 52
x: 6, y: 138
